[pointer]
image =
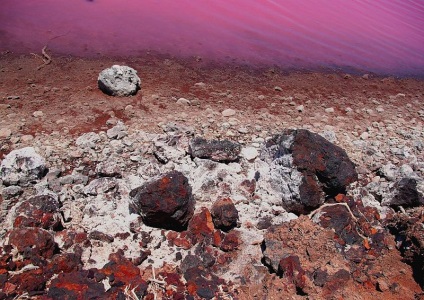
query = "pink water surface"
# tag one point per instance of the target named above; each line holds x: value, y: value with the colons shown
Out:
x: 385, y: 36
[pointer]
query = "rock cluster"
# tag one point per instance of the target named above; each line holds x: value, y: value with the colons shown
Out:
x: 170, y: 216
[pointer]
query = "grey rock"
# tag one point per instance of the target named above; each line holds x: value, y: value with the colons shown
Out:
x: 119, y: 81
x: 22, y: 167
x: 108, y: 169
x: 406, y: 193
x: 88, y: 140
x: 11, y: 191
x: 100, y: 186
x: 388, y: 171
x: 118, y: 131
x: 221, y: 151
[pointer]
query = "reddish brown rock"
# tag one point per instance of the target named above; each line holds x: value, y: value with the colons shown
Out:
x: 221, y: 151
x: 39, y: 211
x: 164, y: 203
x: 200, y: 225
x: 231, y: 241
x: 289, y: 267
x: 33, y: 241
x: 76, y: 285
x: 224, y: 214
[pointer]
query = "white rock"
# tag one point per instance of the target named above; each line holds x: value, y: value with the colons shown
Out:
x: 228, y: 112
x: 38, y: 114
x: 249, y: 153
x: 22, y: 166
x: 88, y: 140
x: 364, y: 136
x: 300, y: 108
x: 119, y: 81
x: 183, y: 101
x: 329, y: 110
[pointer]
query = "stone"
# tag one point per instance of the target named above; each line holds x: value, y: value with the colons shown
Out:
x: 166, y: 202
x: 183, y: 101
x: 76, y: 285
x: 224, y: 214
x: 118, y: 131
x: 220, y: 151
x: 228, y: 112
x: 329, y: 110
x: 249, y: 153
x: 289, y: 267
x: 308, y: 169
x: 40, y: 211
x: 22, y: 167
x: 201, y: 225
x: 108, y: 169
x: 32, y: 241
x: 88, y: 140
x: 38, y: 114
x: 100, y: 186
x: 5, y: 133
x: 119, y: 81
x: 11, y: 192
x: 405, y: 194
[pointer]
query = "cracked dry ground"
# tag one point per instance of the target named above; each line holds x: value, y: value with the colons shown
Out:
x: 366, y: 253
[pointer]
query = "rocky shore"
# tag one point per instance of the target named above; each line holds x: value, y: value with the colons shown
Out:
x: 209, y: 183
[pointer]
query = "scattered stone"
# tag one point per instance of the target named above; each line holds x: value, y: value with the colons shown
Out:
x: 164, y: 203
x: 118, y: 131
x: 11, y: 192
x: 119, y: 81
x: 221, y: 151
x: 228, y: 112
x: 249, y: 153
x: 405, y: 194
x: 100, y: 186
x: 224, y: 214
x: 329, y: 110
x: 22, y: 167
x: 38, y: 114
x: 183, y: 101
x: 88, y: 140
x: 108, y: 169
x: 5, y: 133
x: 35, y: 241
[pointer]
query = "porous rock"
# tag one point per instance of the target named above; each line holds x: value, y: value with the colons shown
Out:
x: 221, y: 151
x: 39, y: 211
x: 119, y: 81
x: 307, y: 169
x: 22, y: 167
x: 224, y: 214
x: 164, y: 203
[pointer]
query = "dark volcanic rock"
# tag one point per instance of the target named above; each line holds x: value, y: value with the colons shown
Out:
x: 39, y: 211
x: 33, y: 241
x: 222, y: 151
x: 406, y: 194
x: 224, y: 214
x: 290, y: 268
x: 164, y: 203
x: 76, y: 285
x: 324, y: 169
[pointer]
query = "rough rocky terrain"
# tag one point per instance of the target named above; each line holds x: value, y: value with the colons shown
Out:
x: 212, y: 182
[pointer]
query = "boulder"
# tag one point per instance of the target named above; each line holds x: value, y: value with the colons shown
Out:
x: 39, y: 211
x: 33, y: 242
x: 306, y: 169
x: 22, y: 167
x: 220, y: 151
x: 405, y: 193
x: 224, y: 214
x: 119, y: 81
x: 164, y: 203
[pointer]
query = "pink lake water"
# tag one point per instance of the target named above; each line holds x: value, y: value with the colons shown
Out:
x: 383, y: 36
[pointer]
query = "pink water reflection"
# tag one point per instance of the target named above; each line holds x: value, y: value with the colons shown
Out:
x: 376, y: 35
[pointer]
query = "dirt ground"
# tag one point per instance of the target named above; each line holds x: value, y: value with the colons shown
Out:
x: 62, y: 99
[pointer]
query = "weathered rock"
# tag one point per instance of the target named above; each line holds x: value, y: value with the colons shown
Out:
x: 307, y: 168
x: 76, y: 285
x: 405, y: 194
x: 118, y: 131
x: 22, y: 167
x: 32, y: 241
x: 100, y: 186
x: 224, y: 214
x: 221, y: 151
x: 290, y: 268
x: 39, y: 211
x: 200, y: 225
x: 88, y: 140
x: 108, y: 169
x: 11, y: 191
x: 165, y: 203
x: 119, y: 81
